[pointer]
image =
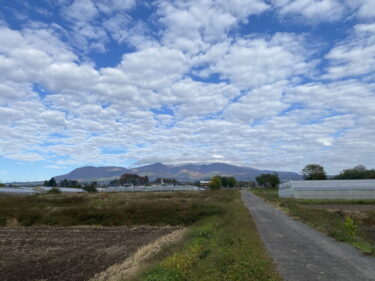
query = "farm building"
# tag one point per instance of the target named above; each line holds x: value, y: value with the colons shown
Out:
x: 204, y: 183
x: 328, y: 189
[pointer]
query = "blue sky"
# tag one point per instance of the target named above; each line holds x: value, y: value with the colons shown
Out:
x: 271, y: 84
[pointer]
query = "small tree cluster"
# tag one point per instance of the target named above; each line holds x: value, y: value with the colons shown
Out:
x: 52, y: 182
x: 314, y: 172
x: 228, y: 181
x: 69, y: 183
x: 215, y: 183
x: 357, y: 173
x: 268, y: 180
x: 91, y: 187
x: 218, y: 182
x: 54, y: 190
x: 114, y: 182
x: 133, y: 179
x: 166, y: 180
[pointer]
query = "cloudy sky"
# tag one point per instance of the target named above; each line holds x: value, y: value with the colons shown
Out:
x: 273, y: 84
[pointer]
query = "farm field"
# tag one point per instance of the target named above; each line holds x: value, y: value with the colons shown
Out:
x: 68, y: 253
x: 351, y: 221
x: 76, y: 236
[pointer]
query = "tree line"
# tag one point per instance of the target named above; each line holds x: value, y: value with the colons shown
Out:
x: 89, y: 187
x: 317, y: 172
x: 134, y: 179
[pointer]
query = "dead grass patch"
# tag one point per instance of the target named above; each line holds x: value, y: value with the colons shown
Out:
x: 132, y: 265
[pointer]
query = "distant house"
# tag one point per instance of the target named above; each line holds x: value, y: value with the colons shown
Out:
x: 204, y: 183
x: 328, y: 189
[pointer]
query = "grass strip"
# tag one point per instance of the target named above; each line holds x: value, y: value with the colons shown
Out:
x: 220, y: 247
x: 336, y: 224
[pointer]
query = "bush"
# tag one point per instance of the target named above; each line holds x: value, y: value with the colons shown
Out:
x: 54, y: 190
x: 90, y: 188
x: 350, y: 226
x: 3, y: 221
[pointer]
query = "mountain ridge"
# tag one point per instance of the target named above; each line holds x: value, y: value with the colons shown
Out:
x: 186, y: 172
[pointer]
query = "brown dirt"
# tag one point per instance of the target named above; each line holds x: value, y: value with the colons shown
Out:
x: 364, y: 213
x: 369, y: 231
x: 68, y: 253
x: 344, y: 207
x: 132, y: 265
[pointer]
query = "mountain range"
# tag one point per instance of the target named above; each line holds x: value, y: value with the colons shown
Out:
x: 187, y: 172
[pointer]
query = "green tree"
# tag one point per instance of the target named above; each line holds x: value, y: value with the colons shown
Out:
x: 228, y: 181
x: 215, y: 183
x: 268, y: 180
x: 114, y: 182
x: 52, y: 182
x: 91, y: 187
x: 314, y: 172
x: 356, y: 173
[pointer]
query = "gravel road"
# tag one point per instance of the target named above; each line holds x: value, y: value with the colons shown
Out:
x: 304, y: 254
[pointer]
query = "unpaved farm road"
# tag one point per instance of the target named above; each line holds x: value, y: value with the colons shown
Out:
x: 304, y: 254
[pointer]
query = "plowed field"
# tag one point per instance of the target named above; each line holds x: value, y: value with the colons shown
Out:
x: 68, y: 253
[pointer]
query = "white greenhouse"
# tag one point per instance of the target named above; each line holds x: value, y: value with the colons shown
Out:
x: 328, y: 189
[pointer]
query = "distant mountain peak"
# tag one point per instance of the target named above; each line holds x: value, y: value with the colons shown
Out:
x: 185, y: 172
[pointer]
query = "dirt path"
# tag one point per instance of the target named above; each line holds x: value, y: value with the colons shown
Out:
x: 68, y: 253
x: 304, y: 254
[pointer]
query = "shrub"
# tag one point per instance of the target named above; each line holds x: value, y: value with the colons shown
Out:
x: 350, y: 227
x: 54, y: 190
x: 3, y: 221
x: 90, y: 188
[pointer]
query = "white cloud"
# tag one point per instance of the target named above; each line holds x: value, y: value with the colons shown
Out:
x: 312, y: 10
x: 29, y: 157
x: 260, y: 103
x: 363, y: 9
x: 355, y: 56
x: 192, y: 25
x: 8, y: 115
x: 260, y: 61
x: 110, y: 6
x: 53, y: 118
x: 151, y: 69
x: 93, y: 23
x: 366, y: 9
x: 81, y: 10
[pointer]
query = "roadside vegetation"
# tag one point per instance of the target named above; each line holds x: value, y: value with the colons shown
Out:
x: 219, y: 247
x: 344, y: 220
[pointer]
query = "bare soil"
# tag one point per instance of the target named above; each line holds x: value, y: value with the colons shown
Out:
x: 362, y: 212
x: 344, y: 207
x: 69, y: 253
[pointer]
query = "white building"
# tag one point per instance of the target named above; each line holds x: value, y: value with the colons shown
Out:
x: 328, y: 189
x: 204, y: 183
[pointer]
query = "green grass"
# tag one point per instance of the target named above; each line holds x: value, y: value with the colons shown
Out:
x: 109, y: 209
x: 334, y: 223
x: 220, y: 247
